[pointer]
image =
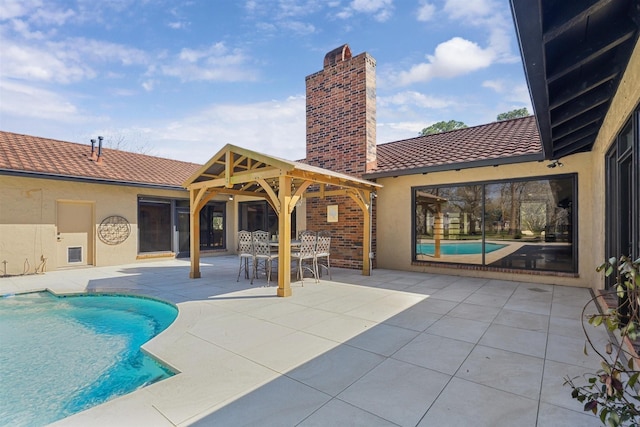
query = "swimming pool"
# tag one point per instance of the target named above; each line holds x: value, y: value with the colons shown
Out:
x: 458, y: 248
x: 62, y: 355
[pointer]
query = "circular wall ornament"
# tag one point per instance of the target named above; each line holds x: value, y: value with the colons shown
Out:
x: 114, y: 230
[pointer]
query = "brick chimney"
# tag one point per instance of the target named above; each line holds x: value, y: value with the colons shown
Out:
x: 341, y: 136
x: 341, y: 113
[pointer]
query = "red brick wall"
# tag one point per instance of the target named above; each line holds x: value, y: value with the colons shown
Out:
x: 341, y: 136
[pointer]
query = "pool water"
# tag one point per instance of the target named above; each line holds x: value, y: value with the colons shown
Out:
x: 458, y: 248
x: 60, y: 356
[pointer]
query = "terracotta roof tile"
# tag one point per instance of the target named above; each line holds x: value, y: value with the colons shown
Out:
x: 495, y: 142
x: 24, y: 153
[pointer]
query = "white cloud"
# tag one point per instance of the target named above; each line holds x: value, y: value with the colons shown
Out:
x: 41, y: 64
x: 274, y: 127
x: 425, y: 12
x: 513, y: 92
x: 451, y: 58
x: 465, y: 9
x: 416, y: 99
x: 381, y: 10
x: 16, y: 8
x: 213, y: 63
x: 22, y: 100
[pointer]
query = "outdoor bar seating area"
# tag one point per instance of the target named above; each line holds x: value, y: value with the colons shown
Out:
x: 257, y: 251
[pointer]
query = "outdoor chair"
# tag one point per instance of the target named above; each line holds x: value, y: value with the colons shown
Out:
x: 245, y: 253
x: 303, y: 232
x: 306, y: 252
x: 262, y: 254
x: 323, y: 251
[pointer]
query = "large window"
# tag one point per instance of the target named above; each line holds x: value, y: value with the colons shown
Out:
x: 154, y: 225
x: 521, y: 224
x: 623, y: 194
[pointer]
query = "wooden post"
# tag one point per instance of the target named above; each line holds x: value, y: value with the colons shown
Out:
x: 438, y: 229
x: 284, y: 231
x: 194, y: 234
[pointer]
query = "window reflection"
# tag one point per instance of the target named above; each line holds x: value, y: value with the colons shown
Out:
x: 514, y: 224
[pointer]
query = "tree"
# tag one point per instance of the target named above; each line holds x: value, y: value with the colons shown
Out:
x: 513, y: 114
x: 442, y: 126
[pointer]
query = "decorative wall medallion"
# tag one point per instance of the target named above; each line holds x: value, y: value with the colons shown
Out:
x: 114, y: 230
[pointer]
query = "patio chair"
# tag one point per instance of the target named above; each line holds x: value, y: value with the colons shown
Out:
x: 306, y: 252
x: 245, y: 253
x: 303, y: 232
x: 323, y: 251
x: 262, y: 254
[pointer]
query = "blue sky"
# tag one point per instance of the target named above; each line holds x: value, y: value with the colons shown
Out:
x: 180, y: 79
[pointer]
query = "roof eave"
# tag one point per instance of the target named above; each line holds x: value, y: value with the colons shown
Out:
x: 528, y: 21
x: 89, y: 180
x: 536, y: 157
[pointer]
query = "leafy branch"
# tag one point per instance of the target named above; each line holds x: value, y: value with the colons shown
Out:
x: 612, y: 390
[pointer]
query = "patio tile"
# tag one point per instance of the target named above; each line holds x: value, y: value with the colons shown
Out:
x: 474, y: 312
x: 488, y: 300
x: 435, y: 352
x: 339, y: 413
x: 417, y: 318
x: 435, y: 305
x: 570, y: 350
x: 285, y: 353
x: 507, y: 371
x: 340, y: 328
x: 337, y: 369
x: 464, y: 403
x: 388, y: 306
x: 414, y: 390
x: 458, y: 328
x: 498, y: 288
x: 569, y: 311
x: 383, y: 339
x: 523, y: 320
x: 554, y: 391
x: 303, y: 318
x: 455, y: 294
x: 555, y: 416
x: 529, y: 306
x: 516, y: 340
x: 265, y: 406
x: 182, y: 396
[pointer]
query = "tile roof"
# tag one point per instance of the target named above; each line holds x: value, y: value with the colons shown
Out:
x: 42, y: 156
x: 507, y: 141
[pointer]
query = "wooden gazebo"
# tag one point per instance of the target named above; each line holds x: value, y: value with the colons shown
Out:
x: 238, y: 171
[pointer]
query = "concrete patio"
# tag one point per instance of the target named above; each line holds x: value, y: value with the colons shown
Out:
x: 393, y: 349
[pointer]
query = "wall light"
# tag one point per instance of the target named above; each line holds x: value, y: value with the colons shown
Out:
x: 555, y: 163
x: 230, y: 196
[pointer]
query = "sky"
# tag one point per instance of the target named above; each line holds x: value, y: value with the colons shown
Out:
x: 180, y: 79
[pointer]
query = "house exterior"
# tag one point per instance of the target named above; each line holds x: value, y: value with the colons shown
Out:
x: 539, y: 199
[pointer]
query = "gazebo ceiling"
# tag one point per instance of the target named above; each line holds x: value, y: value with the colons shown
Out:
x: 574, y: 55
x: 236, y: 170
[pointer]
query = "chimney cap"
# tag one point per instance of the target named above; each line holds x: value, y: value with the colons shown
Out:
x: 338, y: 54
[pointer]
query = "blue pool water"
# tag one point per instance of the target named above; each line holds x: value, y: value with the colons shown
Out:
x: 458, y: 248
x: 60, y: 356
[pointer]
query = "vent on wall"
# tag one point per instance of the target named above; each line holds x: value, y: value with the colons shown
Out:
x: 74, y: 254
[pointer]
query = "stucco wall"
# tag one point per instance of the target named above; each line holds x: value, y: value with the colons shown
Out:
x: 395, y: 211
x: 28, y: 231
x: 625, y: 101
